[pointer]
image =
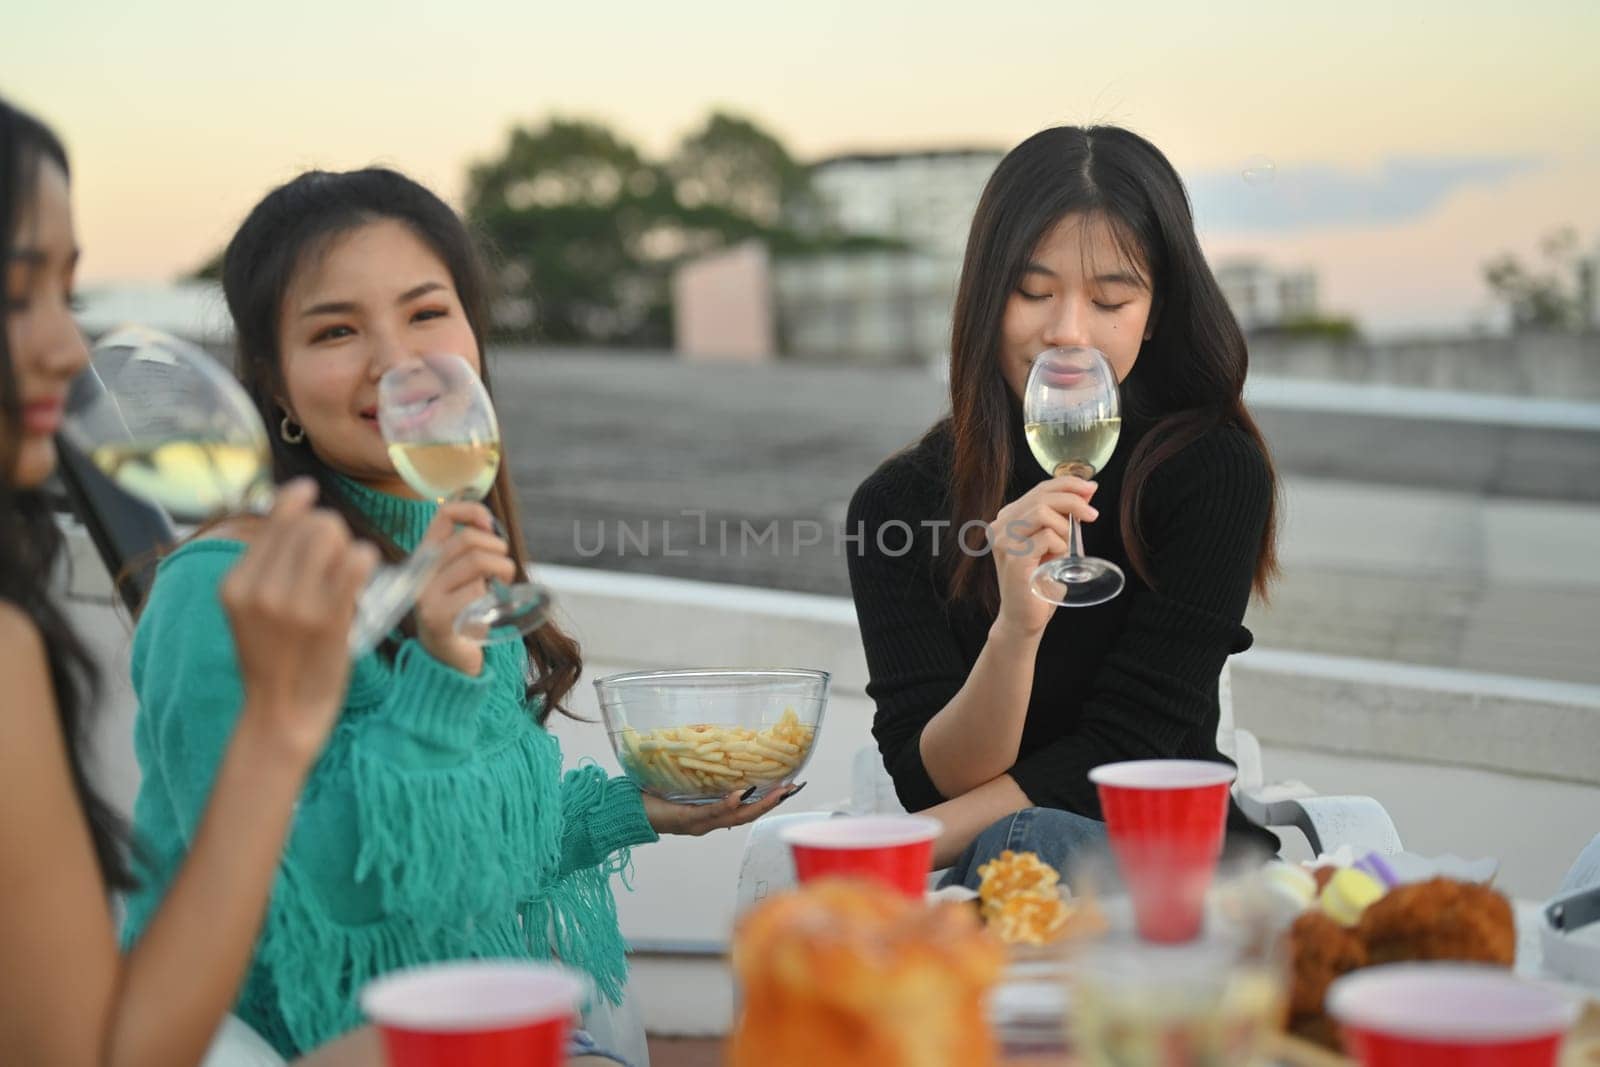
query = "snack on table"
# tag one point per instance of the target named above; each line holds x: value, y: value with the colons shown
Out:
x: 1286, y: 889
x: 1019, y: 898
x: 705, y: 759
x: 1441, y: 919
x: 843, y: 974
x: 1323, y: 950
x: 1022, y: 900
x: 1348, y: 894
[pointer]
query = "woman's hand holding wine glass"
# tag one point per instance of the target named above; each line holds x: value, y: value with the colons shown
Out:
x: 444, y: 439
x: 1072, y: 413
x: 471, y: 555
x: 1032, y: 530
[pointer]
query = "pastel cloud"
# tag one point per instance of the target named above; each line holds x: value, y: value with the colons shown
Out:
x: 1262, y: 197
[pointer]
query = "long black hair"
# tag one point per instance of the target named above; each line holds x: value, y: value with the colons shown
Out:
x: 1190, y: 373
x: 30, y: 542
x: 294, y: 224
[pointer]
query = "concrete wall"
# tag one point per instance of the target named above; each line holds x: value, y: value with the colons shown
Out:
x: 1565, y: 366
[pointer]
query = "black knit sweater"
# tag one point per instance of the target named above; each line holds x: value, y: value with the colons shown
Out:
x: 1134, y: 678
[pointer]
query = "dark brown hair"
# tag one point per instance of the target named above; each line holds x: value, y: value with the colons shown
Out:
x: 297, y: 222
x: 1190, y: 372
x: 30, y: 541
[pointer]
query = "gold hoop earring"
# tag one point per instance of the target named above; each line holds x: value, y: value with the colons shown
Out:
x: 291, y: 432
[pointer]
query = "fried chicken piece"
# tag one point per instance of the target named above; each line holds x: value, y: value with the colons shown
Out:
x: 1320, y: 950
x: 846, y: 974
x: 1319, y: 1030
x: 1441, y: 919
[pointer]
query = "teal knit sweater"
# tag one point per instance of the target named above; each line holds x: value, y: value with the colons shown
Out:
x: 436, y: 825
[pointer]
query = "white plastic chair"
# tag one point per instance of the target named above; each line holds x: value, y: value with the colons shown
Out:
x: 1328, y: 822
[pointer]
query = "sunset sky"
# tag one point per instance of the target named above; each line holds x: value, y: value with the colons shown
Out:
x: 1407, y: 146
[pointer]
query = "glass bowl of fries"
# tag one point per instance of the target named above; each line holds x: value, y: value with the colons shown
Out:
x: 694, y: 736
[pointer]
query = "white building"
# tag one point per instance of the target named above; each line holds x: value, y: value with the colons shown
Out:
x: 882, y: 306
x: 923, y: 198
x: 865, y: 307
x: 1262, y: 296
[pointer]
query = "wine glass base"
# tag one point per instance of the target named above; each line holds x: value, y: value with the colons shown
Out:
x: 1078, y: 583
x: 505, y: 615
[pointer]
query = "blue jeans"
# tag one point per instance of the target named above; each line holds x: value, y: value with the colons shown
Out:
x: 581, y: 1044
x: 1054, y: 835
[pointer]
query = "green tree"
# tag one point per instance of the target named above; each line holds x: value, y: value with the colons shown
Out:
x: 733, y: 166
x: 569, y: 208
x: 1551, y: 298
x: 209, y: 271
x: 735, y: 181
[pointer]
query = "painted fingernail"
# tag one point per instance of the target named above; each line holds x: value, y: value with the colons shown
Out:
x: 793, y: 791
x: 748, y: 793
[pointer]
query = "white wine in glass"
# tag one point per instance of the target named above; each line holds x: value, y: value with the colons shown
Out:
x: 1072, y: 415
x: 1070, y: 447
x: 189, y: 479
x: 166, y: 422
x: 444, y: 440
x: 448, y: 470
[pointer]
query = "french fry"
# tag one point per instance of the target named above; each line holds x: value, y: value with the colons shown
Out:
x: 707, y: 759
x: 665, y: 745
x: 774, y: 754
x: 708, y: 768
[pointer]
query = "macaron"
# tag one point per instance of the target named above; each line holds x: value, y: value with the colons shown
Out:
x: 1347, y: 895
x: 1375, y: 865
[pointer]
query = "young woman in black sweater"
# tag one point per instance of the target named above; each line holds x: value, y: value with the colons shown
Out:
x: 992, y: 704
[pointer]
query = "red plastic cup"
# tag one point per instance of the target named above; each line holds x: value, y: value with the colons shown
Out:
x: 1165, y: 819
x: 1449, y: 1015
x: 896, y: 850
x: 475, y: 1014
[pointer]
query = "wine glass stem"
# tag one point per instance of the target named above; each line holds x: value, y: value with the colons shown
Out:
x: 1074, y: 539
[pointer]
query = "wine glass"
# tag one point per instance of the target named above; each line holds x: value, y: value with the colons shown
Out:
x: 166, y: 422
x: 1073, y: 416
x: 444, y: 439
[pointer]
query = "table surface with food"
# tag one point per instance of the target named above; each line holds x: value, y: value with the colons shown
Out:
x: 848, y: 975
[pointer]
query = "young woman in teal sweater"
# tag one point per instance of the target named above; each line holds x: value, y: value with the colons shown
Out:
x: 438, y: 823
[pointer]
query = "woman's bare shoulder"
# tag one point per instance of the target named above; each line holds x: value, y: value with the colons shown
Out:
x: 20, y: 640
